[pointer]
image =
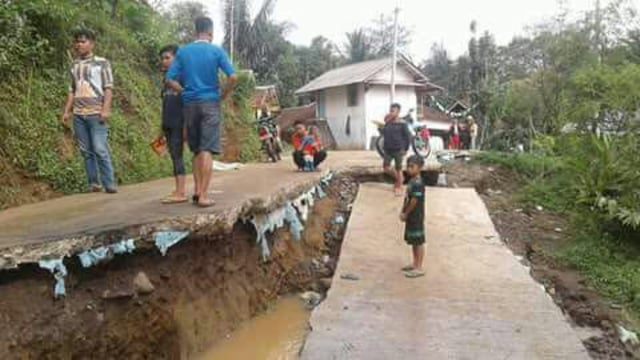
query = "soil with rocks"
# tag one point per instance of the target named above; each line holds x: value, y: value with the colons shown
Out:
x: 534, y: 235
x: 146, y: 306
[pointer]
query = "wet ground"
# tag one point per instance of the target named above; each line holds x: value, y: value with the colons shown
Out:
x: 277, y: 334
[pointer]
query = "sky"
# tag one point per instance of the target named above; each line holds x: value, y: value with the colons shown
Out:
x: 441, y: 21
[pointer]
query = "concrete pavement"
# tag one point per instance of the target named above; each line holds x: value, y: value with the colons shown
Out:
x: 65, y: 225
x: 476, y: 301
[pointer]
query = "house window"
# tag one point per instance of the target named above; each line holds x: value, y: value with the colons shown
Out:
x: 352, y: 95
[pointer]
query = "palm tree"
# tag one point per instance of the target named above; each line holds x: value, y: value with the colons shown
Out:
x: 257, y: 42
x: 358, y: 46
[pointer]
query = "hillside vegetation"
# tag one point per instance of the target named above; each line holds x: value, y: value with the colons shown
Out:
x: 38, y: 158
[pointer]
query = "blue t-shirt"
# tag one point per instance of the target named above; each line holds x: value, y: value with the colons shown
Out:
x: 197, y: 65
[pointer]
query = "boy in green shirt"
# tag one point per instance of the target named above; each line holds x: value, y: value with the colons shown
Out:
x: 413, y: 216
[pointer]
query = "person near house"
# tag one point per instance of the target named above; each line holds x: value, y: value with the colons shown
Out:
x: 454, y: 135
x: 413, y: 216
x: 297, y: 140
x: 195, y: 70
x: 173, y: 129
x: 397, y: 140
x: 473, y: 132
x: 89, y: 105
x: 465, y: 137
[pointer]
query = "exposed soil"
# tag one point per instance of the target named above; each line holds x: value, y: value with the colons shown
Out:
x: 19, y: 189
x: 535, y: 235
x: 205, y: 287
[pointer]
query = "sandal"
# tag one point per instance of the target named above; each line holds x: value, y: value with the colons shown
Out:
x: 174, y: 199
x: 408, y: 268
x: 413, y: 274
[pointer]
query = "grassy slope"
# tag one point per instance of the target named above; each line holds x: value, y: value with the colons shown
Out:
x: 611, y: 265
x: 36, y: 147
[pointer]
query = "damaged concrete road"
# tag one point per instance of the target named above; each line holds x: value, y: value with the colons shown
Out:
x: 475, y: 302
x: 72, y: 224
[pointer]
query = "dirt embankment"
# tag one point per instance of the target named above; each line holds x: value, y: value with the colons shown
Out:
x: 535, y: 235
x: 203, y: 289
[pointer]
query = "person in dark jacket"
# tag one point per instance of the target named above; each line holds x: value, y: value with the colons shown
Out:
x: 397, y: 140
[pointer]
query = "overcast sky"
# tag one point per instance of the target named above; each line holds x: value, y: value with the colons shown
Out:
x: 443, y: 21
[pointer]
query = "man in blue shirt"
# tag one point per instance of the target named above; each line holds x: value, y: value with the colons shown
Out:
x: 195, y: 72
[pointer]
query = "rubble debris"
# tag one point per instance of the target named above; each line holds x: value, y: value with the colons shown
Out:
x: 142, y: 284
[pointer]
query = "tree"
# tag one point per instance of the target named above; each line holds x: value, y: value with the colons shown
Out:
x: 182, y: 15
x: 358, y: 47
x: 380, y: 33
x: 316, y: 59
x: 258, y: 42
x: 439, y: 66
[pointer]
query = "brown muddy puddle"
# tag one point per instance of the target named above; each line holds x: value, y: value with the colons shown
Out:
x: 277, y: 334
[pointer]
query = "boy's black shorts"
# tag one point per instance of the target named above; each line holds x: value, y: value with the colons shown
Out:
x: 414, y: 234
x: 394, y: 156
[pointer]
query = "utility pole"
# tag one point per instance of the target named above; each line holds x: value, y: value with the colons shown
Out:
x: 599, y: 46
x: 395, y: 55
x: 231, y: 28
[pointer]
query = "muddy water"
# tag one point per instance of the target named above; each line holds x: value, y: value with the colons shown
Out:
x: 278, y: 334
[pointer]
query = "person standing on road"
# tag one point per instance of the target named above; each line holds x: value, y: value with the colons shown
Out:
x: 397, y: 140
x: 195, y: 69
x: 413, y: 216
x: 89, y: 105
x: 173, y: 129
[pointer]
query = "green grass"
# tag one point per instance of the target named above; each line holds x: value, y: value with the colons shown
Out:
x: 609, y: 262
x: 612, y: 267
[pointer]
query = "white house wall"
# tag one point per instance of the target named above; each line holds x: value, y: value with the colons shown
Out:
x: 377, y: 106
x: 337, y: 113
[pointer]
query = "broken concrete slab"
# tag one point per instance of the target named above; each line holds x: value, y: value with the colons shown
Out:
x: 70, y: 225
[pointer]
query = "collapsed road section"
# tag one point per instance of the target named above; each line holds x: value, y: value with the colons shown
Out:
x: 173, y: 295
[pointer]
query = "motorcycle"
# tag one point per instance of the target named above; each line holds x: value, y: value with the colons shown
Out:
x: 419, y: 136
x: 269, y: 136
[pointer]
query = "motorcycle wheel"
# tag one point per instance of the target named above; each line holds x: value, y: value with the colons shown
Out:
x: 380, y: 146
x: 421, y: 147
x: 268, y: 148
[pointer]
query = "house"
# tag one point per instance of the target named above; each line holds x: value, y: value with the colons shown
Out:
x: 350, y: 98
x: 265, y: 97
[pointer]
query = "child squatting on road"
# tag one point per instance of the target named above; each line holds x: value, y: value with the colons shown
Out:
x: 413, y: 216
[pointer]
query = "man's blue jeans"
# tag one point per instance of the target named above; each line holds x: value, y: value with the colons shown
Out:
x: 91, y: 134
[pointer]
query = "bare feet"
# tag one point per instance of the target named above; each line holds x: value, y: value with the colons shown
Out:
x: 205, y: 202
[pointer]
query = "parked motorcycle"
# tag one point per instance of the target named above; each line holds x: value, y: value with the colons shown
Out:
x: 419, y: 136
x: 269, y: 136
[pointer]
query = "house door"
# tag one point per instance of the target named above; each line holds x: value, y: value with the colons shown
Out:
x: 322, y: 105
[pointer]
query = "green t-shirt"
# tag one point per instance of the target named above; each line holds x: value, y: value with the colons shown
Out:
x: 415, y: 190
